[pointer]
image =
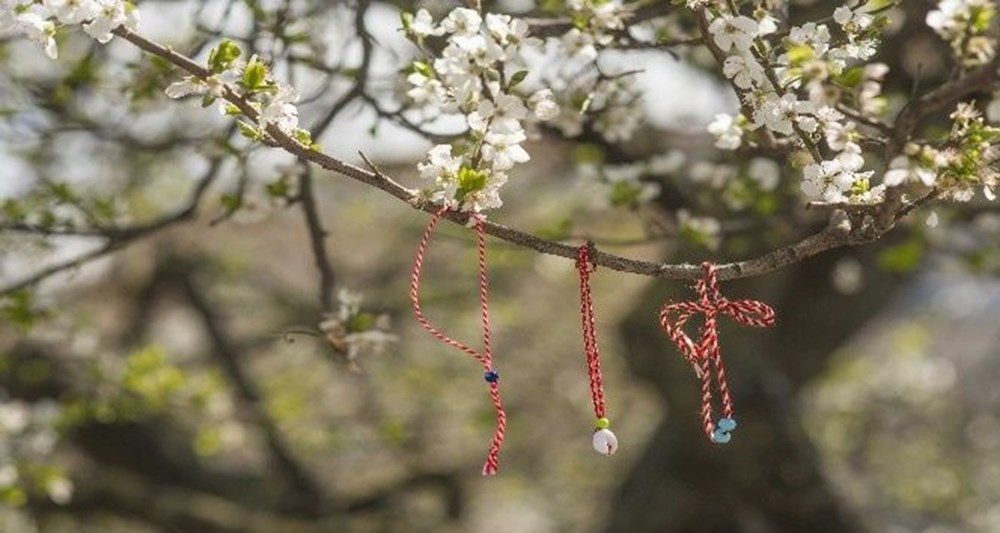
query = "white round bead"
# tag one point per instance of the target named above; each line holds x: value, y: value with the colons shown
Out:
x: 605, y: 442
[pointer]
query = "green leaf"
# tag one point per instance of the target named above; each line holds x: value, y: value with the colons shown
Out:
x: 879, y: 5
x: 19, y: 310
x: 278, y: 189
x: 223, y: 56
x: 903, y: 257
x: 982, y: 17
x: 851, y: 77
x: 230, y: 202
x: 305, y: 139
x: 249, y: 131
x: 361, y: 322
x: 13, y: 210
x: 517, y: 78
x: 469, y: 181
x: 625, y: 194
x: 423, y: 68
x: 800, y: 54
x: 62, y: 193
x: 254, y: 75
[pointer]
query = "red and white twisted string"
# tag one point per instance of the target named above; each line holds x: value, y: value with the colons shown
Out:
x: 585, y: 267
x: 705, y: 355
x: 604, y: 440
x: 485, y: 357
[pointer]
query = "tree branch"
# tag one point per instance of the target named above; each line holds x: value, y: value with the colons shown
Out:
x: 317, y: 237
x: 940, y: 99
x: 309, y: 494
x: 838, y: 233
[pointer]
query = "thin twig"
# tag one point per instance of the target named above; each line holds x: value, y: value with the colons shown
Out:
x: 117, y: 238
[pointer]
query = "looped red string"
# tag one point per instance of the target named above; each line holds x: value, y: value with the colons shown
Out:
x: 706, y: 354
x: 585, y: 267
x: 485, y: 357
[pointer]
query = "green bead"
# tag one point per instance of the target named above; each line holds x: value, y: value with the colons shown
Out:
x: 602, y: 423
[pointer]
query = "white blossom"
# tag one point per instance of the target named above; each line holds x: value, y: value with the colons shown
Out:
x: 838, y: 134
x: 667, y: 163
x: 187, y: 86
x: 504, y: 149
x: 832, y: 180
x: 765, y: 172
x: 425, y: 91
x: 38, y: 29
x: 815, y: 36
x: 423, y: 25
x: 280, y: 110
x: 739, y: 31
x: 932, y: 220
x: 705, y: 231
x: 727, y: 131
x: 502, y: 114
x: 60, y: 490
x: 715, y: 176
x: 852, y: 20
x: 779, y: 114
x: 109, y: 16
x: 848, y: 276
x: 618, y: 123
x: 952, y: 17
x: 902, y: 170
x: 8, y: 476
x: 462, y: 21
x: 744, y: 70
x: 544, y: 106
x: 506, y: 30
x: 441, y: 165
x: 354, y: 332
x: 579, y: 45
x: 73, y: 11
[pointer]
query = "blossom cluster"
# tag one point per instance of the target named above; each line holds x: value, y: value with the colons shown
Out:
x: 610, y: 104
x: 477, y: 75
x: 626, y: 186
x: 37, y: 20
x: 273, y: 103
x: 353, y: 331
x: 964, y: 24
x: 791, y: 88
x: 28, y: 437
x: 595, y: 24
x: 965, y: 161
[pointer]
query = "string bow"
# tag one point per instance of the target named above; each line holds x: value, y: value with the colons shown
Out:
x: 706, y: 354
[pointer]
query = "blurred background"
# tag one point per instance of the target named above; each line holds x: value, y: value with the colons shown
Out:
x: 189, y: 379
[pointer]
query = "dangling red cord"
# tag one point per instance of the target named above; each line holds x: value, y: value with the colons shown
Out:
x: 485, y: 357
x: 604, y: 440
x: 706, y: 354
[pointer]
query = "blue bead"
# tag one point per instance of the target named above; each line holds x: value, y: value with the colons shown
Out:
x: 721, y: 437
x: 491, y: 376
x: 726, y: 424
